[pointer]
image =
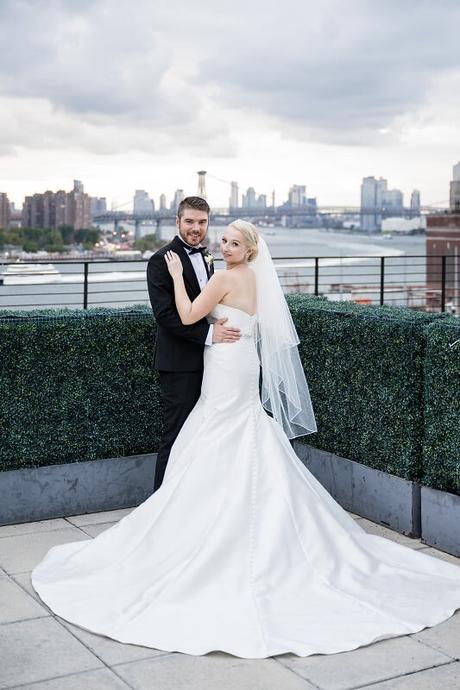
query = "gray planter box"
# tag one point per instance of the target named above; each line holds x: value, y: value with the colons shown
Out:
x: 39, y: 493
x: 373, y: 494
x: 441, y: 520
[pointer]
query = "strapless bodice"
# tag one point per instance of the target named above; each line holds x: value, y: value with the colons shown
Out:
x: 236, y: 317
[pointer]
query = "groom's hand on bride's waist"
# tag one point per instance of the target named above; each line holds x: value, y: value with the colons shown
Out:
x: 224, y: 334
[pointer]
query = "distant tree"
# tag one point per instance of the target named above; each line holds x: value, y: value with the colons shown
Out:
x: 68, y: 233
x: 87, y: 236
x: 30, y: 246
x: 11, y: 237
x: 55, y: 242
x: 148, y: 243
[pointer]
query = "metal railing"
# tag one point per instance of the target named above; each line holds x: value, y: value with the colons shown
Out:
x: 429, y: 283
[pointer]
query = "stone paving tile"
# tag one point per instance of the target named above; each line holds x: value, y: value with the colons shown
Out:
x: 110, y: 651
x: 382, y: 531
x: 40, y: 649
x: 439, y: 678
x: 15, y: 604
x: 102, y: 679
x: 375, y: 662
x: 431, y: 551
x: 23, y: 552
x: 24, y: 581
x: 214, y: 671
x: 103, y: 516
x: 97, y: 528
x: 28, y: 527
x: 445, y: 637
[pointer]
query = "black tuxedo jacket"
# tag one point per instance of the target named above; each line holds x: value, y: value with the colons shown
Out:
x: 178, y: 347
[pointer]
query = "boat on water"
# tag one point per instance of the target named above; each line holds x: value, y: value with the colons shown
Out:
x: 19, y: 273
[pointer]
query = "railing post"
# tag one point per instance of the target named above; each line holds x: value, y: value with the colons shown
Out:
x: 382, y: 280
x: 85, y: 285
x: 316, y: 276
x: 443, y: 282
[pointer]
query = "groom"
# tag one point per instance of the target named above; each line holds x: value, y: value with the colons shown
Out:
x: 179, y: 349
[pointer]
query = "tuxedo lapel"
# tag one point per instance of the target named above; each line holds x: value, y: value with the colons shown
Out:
x: 189, y: 273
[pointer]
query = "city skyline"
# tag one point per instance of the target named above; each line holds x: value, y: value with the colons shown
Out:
x: 373, y: 91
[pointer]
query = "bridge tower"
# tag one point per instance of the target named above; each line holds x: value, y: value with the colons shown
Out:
x: 202, y: 183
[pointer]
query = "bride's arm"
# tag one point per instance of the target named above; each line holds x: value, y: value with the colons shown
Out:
x: 213, y: 292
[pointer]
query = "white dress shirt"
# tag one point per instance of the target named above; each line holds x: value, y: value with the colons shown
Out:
x: 202, y: 276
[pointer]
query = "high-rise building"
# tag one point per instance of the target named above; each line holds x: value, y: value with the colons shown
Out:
x: 80, y: 206
x: 262, y: 201
x: 52, y: 209
x: 454, y: 200
x: 32, y: 211
x: 49, y: 210
x: 369, y: 203
x: 178, y: 197
x: 273, y: 199
x: 5, y: 213
x: 62, y: 209
x: 142, y: 203
x: 415, y: 202
x: 162, y: 202
x: 202, y: 183
x: 297, y: 196
x: 249, y: 199
x: 98, y: 205
x: 373, y: 193
x: 234, y: 195
x: 392, y: 201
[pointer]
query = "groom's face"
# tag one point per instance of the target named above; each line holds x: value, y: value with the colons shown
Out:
x: 192, y: 226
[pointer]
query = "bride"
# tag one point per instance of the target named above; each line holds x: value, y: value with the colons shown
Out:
x: 241, y: 549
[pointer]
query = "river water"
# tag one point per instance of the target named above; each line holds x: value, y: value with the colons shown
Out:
x: 350, y: 266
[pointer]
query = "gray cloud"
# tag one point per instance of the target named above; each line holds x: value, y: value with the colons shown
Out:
x: 164, y: 74
x: 345, y: 70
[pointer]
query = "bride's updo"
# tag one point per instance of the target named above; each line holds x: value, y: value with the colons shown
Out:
x: 250, y: 236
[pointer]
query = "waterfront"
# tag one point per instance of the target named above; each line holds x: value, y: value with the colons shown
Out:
x: 347, y: 258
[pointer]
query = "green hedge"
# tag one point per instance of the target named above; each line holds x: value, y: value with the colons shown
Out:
x: 441, y: 449
x: 77, y: 385
x: 365, y: 369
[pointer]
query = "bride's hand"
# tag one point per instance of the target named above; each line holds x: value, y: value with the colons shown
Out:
x: 174, y: 263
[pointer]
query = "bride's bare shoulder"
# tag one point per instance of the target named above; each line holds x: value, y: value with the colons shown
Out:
x: 241, y: 275
x: 219, y: 276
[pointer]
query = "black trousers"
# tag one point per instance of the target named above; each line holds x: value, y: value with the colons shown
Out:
x: 180, y: 392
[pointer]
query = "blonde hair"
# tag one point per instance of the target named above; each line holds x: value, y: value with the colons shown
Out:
x: 250, y: 236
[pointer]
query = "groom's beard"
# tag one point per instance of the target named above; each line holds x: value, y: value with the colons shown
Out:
x: 191, y: 238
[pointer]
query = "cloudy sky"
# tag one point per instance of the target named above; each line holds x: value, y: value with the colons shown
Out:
x: 142, y: 94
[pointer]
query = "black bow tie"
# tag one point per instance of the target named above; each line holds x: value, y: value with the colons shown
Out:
x: 196, y: 250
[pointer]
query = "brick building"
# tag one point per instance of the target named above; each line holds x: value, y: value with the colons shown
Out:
x: 443, y: 239
x: 4, y: 210
x: 53, y: 209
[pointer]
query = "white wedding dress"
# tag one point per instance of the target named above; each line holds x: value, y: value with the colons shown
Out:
x: 241, y: 549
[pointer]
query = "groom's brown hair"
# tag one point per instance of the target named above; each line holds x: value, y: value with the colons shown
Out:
x: 196, y: 202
